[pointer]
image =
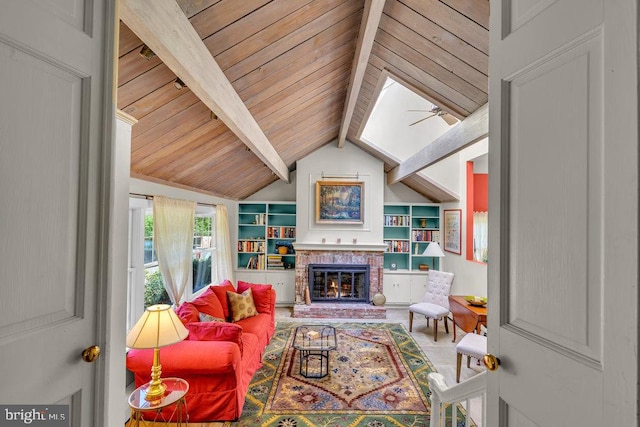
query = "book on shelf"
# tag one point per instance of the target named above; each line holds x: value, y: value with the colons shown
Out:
x: 250, y: 246
x: 274, y: 262
x: 259, y: 219
x: 256, y: 262
x: 396, y: 220
x: 397, y: 246
x: 425, y: 235
x: 281, y: 232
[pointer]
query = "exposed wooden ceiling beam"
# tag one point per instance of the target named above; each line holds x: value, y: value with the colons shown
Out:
x: 368, y: 28
x: 162, y: 26
x: 470, y: 130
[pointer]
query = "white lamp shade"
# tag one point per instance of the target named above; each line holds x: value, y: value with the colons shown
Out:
x: 157, y: 327
x: 433, y: 249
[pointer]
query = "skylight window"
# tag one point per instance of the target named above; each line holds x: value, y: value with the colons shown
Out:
x: 402, y: 122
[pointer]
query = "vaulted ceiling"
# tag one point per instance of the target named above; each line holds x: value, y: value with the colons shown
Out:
x: 284, y: 78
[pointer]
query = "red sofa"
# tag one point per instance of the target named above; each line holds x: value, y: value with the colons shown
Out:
x: 219, y: 357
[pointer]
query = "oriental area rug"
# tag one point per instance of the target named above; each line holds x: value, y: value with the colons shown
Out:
x: 377, y: 377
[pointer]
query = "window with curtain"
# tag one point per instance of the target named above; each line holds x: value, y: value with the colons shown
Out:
x: 480, y: 236
x: 145, y: 284
x: 203, y: 255
x: 203, y: 250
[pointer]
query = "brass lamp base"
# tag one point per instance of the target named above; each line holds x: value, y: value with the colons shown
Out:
x: 156, y: 388
x: 155, y: 392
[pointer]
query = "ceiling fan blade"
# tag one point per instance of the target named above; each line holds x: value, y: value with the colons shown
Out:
x: 422, y: 119
x: 449, y: 119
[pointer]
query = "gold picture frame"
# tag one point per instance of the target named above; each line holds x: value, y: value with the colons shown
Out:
x: 339, y: 202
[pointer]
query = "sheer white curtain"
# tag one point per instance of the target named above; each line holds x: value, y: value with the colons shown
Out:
x: 173, y: 229
x: 480, y: 236
x: 224, y: 267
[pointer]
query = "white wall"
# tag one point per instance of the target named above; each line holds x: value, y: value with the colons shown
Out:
x: 332, y: 163
x: 471, y: 277
x: 116, y: 374
x: 400, y: 193
x: 278, y: 191
x: 139, y: 186
x: 446, y: 174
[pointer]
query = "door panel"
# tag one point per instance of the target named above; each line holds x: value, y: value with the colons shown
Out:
x: 563, y: 249
x: 516, y: 418
x: 522, y: 11
x: 42, y: 169
x: 56, y: 114
x: 538, y: 28
x: 555, y: 199
x: 77, y: 13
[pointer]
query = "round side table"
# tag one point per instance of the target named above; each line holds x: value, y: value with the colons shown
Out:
x: 174, y: 395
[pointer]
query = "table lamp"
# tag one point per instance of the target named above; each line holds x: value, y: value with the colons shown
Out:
x: 433, y: 250
x: 157, y: 327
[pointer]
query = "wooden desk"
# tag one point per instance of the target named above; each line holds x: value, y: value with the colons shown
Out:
x: 467, y: 317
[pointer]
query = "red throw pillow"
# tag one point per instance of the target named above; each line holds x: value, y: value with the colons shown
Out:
x: 262, y: 296
x: 209, y: 302
x: 188, y: 313
x: 215, y: 331
x: 221, y: 291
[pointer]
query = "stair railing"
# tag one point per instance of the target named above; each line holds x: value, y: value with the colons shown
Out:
x: 443, y: 397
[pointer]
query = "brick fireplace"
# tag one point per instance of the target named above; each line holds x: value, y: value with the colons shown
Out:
x: 339, y: 255
x: 339, y: 282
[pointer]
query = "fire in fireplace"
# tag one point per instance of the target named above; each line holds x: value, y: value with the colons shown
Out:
x: 339, y: 282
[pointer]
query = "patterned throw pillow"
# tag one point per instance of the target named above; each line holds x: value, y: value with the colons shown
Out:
x: 204, y: 317
x: 262, y: 295
x: 241, y: 305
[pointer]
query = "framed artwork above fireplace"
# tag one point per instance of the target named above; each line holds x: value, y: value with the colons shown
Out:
x: 339, y: 202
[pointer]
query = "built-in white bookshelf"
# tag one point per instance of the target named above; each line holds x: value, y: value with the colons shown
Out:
x: 408, y: 229
x: 266, y: 233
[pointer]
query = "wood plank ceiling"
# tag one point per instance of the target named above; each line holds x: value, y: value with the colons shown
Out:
x: 290, y: 62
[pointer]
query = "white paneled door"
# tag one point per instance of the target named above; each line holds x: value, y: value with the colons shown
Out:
x: 56, y: 114
x: 563, y: 252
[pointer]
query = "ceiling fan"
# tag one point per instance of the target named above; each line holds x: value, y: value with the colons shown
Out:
x: 436, y: 111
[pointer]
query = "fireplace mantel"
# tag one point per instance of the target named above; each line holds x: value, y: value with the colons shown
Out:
x: 347, y: 247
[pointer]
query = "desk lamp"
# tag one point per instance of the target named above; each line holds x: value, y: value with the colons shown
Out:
x: 157, y: 327
x: 433, y: 250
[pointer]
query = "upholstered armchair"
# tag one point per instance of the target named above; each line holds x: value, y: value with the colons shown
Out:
x: 435, y: 304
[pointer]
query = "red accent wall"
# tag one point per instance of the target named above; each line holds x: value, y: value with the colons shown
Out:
x: 481, y: 192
